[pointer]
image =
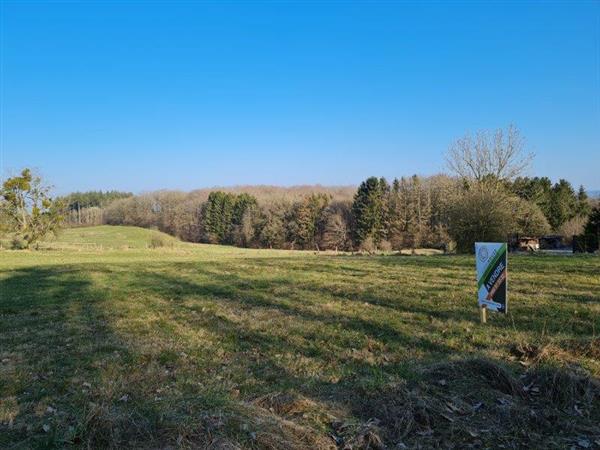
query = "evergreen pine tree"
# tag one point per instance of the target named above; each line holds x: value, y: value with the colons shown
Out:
x: 369, y: 211
x: 583, y: 204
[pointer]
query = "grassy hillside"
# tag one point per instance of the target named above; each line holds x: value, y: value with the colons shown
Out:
x: 111, y: 237
x: 218, y: 347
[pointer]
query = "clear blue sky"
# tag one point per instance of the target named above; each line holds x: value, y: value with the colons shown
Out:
x: 149, y: 95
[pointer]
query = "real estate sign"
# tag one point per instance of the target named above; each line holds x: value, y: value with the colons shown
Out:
x: 491, y: 275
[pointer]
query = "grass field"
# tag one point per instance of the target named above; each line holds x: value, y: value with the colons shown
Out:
x: 105, y: 342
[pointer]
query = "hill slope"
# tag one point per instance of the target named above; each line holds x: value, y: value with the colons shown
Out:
x: 113, y: 237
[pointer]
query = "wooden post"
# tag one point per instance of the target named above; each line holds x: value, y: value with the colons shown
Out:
x: 483, y: 313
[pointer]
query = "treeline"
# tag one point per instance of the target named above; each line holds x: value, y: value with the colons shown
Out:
x: 565, y: 209
x: 486, y: 199
x: 408, y: 213
x: 86, y: 208
x: 436, y: 212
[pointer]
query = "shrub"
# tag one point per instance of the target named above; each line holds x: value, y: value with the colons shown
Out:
x: 367, y: 246
x: 18, y: 243
x: 385, y: 246
x: 573, y: 227
x: 480, y: 215
x: 159, y: 241
x: 529, y: 218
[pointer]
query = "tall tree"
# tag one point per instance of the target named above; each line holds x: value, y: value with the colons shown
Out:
x: 336, y: 226
x: 593, y: 223
x: 563, y: 204
x: 306, y: 220
x: 537, y: 190
x: 583, y: 203
x: 443, y: 190
x: 271, y: 227
x: 419, y: 212
x: 529, y: 219
x: 370, y: 211
x: 242, y: 203
x: 396, y: 228
x: 489, y: 158
x: 217, y: 216
x: 223, y: 216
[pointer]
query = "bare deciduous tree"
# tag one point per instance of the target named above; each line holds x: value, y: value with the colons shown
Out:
x: 489, y: 156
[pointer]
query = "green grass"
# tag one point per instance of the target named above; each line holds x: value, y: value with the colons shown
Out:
x: 107, y: 343
x: 109, y: 237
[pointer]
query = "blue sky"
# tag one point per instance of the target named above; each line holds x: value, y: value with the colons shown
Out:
x: 149, y: 95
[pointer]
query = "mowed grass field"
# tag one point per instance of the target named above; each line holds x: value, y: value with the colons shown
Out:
x: 106, y: 343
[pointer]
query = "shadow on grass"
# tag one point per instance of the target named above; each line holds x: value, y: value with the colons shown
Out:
x: 153, y: 384
x: 59, y: 355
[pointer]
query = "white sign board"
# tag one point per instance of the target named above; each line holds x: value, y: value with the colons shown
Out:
x: 491, y: 262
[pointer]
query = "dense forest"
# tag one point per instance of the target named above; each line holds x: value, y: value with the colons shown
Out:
x: 86, y: 208
x: 411, y: 212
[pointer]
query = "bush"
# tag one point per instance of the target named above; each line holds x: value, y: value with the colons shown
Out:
x: 573, y: 227
x: 586, y: 243
x: 18, y: 243
x: 159, y: 241
x: 367, y: 245
x: 385, y: 246
x: 529, y: 218
x: 484, y: 214
x: 480, y: 215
